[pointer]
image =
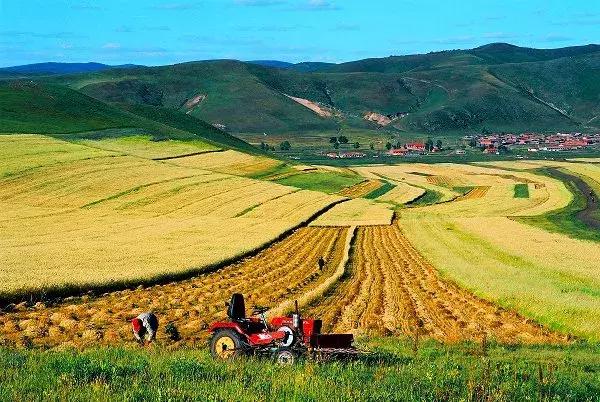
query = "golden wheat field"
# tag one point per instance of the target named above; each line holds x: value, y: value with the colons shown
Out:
x: 143, y: 146
x: 230, y: 162
x: 356, y: 212
x: 94, y: 218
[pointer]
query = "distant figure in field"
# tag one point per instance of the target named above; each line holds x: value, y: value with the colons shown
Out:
x: 321, y: 263
x: 145, y: 327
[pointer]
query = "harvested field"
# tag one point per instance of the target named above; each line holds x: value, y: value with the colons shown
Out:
x: 283, y: 271
x: 475, y: 193
x: 356, y: 212
x: 548, y: 277
x: 361, y: 189
x: 391, y: 289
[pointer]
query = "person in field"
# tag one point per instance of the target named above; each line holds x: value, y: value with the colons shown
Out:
x: 321, y: 263
x: 145, y: 327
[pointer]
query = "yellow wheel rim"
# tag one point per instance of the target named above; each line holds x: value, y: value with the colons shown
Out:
x: 225, y: 347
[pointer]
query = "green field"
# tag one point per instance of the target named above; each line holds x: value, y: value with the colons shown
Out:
x: 521, y: 190
x: 395, y: 373
x: 327, y: 182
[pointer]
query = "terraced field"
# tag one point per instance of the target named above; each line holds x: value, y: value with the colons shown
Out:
x: 283, y: 271
x: 391, y: 289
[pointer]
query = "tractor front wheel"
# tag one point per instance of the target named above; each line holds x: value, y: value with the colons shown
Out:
x: 226, y: 344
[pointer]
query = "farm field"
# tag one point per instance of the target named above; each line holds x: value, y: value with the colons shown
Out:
x: 125, y: 219
x: 548, y: 277
x: 281, y: 272
x: 393, y: 290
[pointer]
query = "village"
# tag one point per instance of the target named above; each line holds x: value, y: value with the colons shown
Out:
x: 492, y: 144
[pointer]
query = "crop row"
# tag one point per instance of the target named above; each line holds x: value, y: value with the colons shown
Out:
x: 391, y: 289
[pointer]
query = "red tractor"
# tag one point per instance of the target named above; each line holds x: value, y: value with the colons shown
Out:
x: 284, y: 338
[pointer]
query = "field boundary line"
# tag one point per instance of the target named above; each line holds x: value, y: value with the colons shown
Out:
x: 166, y: 158
x: 313, y: 294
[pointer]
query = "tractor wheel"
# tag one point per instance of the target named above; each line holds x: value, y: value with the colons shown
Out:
x: 285, y: 357
x: 291, y: 339
x: 226, y: 344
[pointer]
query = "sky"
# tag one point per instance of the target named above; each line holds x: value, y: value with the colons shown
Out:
x: 158, y: 32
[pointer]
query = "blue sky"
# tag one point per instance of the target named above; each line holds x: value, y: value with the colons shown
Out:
x: 154, y: 32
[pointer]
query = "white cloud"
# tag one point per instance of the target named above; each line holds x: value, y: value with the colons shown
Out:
x: 111, y: 45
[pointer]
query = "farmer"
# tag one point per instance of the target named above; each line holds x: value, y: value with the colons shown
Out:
x: 321, y: 263
x: 144, y: 327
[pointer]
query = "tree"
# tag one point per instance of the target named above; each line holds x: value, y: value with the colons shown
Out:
x: 336, y: 145
x: 429, y: 145
x: 356, y: 145
x: 388, y: 145
x: 372, y: 146
x: 438, y: 144
x: 473, y: 143
x: 333, y: 140
x: 285, y: 146
x: 264, y: 146
x: 342, y: 139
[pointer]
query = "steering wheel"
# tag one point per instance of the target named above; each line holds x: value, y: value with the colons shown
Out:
x: 257, y: 310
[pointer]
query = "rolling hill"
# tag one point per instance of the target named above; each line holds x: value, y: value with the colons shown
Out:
x: 497, y: 87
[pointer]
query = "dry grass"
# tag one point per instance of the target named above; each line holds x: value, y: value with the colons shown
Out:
x: 401, y: 194
x: 356, y: 212
x: 90, y: 222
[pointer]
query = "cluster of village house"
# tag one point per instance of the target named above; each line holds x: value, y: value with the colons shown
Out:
x: 535, y: 142
x: 490, y: 144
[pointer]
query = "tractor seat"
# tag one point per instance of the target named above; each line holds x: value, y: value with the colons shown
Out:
x: 237, y: 313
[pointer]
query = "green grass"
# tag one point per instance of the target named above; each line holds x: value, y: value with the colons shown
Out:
x: 327, y: 182
x: 564, y: 220
x: 521, y: 190
x: 434, y: 373
x: 430, y: 197
x: 385, y: 187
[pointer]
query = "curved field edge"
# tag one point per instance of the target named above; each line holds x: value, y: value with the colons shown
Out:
x: 51, y: 293
x: 566, y: 220
x: 554, y: 291
x: 397, y: 371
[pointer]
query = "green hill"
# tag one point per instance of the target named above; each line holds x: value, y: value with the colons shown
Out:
x: 498, y: 87
x: 42, y: 108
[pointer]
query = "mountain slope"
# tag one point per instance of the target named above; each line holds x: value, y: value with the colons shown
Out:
x: 499, y: 87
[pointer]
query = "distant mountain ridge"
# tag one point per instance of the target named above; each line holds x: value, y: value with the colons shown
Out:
x: 62, y: 68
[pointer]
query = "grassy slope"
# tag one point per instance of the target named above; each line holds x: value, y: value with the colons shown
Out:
x: 235, y: 97
x: 435, y: 373
x: 60, y: 111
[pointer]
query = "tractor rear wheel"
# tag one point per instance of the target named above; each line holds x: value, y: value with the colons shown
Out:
x: 226, y: 344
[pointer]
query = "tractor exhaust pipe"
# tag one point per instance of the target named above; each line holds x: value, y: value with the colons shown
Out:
x: 296, y: 316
